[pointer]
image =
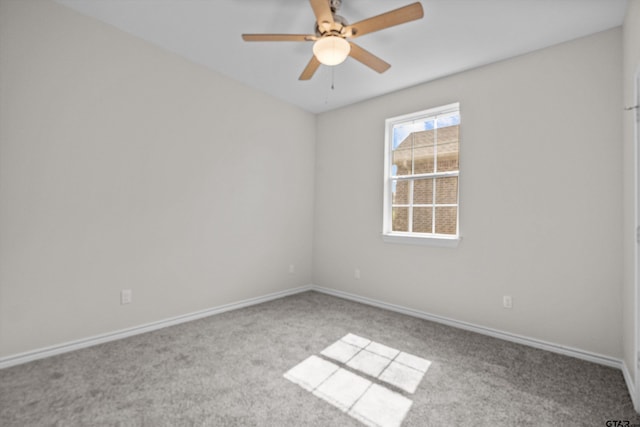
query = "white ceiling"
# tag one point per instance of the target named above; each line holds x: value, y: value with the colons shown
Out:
x: 454, y: 35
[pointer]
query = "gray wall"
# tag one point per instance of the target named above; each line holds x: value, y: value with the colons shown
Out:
x: 540, y: 199
x: 124, y: 166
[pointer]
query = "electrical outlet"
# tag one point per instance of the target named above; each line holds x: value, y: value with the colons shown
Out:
x: 356, y: 274
x: 507, y: 302
x: 126, y: 296
x: 292, y: 268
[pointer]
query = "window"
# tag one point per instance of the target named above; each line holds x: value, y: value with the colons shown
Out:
x: 421, y: 177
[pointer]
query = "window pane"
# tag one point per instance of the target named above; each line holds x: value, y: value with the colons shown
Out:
x: 447, y: 190
x: 448, y: 120
x: 423, y: 191
x: 402, y: 158
x: 423, y: 151
x: 400, y: 192
x: 448, y: 148
x: 446, y: 220
x: 400, y: 219
x: 402, y: 130
x: 423, y: 220
x: 428, y: 124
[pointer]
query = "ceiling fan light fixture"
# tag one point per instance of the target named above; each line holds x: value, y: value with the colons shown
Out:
x: 331, y: 50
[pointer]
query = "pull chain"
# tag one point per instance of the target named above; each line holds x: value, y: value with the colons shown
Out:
x: 332, y: 77
x: 326, y: 99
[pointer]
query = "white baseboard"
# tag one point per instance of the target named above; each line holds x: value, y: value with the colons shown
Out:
x: 531, y: 342
x: 630, y: 386
x: 41, y: 353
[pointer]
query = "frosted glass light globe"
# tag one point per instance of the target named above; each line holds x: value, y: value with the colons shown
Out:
x: 331, y: 50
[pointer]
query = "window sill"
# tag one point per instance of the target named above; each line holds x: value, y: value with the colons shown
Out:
x: 438, y: 242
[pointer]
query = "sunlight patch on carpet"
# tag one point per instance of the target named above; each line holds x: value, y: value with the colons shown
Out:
x: 367, y: 401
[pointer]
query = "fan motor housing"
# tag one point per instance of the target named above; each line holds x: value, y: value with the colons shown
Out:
x: 337, y: 28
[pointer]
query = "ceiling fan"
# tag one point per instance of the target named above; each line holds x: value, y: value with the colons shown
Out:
x: 331, y: 46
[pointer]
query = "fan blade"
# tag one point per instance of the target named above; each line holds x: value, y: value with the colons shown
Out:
x: 322, y: 10
x: 368, y: 58
x: 380, y: 22
x: 277, y: 37
x: 310, y: 69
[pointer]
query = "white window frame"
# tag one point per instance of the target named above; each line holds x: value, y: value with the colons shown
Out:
x: 430, y: 239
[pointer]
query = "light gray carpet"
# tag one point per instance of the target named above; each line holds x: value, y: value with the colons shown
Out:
x: 227, y: 370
